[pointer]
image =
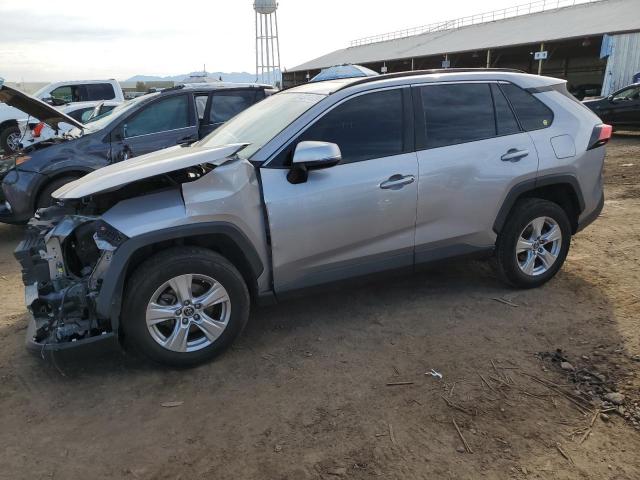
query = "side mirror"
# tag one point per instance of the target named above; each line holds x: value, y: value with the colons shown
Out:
x: 312, y: 156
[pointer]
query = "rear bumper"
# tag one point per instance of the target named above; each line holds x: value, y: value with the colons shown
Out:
x: 591, y: 217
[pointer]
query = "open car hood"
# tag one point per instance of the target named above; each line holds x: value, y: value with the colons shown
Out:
x: 36, y: 108
x: 145, y: 166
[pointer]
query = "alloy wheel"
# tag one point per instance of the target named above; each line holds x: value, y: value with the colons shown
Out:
x: 539, y: 246
x: 188, y: 313
x: 13, y: 141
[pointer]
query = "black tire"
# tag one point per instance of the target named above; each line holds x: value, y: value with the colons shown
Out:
x: 162, y: 267
x: 524, y: 212
x: 44, y: 197
x: 4, y: 138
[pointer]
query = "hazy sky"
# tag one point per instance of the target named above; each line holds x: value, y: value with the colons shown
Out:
x: 43, y: 41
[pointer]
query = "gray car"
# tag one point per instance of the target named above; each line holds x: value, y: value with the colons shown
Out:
x: 320, y: 183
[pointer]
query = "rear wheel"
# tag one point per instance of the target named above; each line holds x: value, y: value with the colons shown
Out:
x: 533, y: 243
x: 10, y: 139
x: 184, y: 306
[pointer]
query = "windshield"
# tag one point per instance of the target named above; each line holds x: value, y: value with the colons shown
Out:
x: 106, y: 118
x: 260, y: 123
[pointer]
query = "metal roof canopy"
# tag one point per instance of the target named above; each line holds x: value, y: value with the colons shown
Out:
x: 582, y: 20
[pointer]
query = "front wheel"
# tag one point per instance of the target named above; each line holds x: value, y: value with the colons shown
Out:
x: 184, y: 306
x: 10, y: 139
x: 534, y: 243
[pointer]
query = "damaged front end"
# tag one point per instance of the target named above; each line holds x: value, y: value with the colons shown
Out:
x: 64, y: 257
x: 76, y: 254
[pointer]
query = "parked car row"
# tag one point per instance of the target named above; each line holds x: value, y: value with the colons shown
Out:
x: 323, y: 182
x: 58, y: 94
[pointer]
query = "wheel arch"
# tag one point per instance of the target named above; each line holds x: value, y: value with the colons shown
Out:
x: 8, y: 123
x: 221, y: 237
x: 46, y: 180
x: 563, y: 190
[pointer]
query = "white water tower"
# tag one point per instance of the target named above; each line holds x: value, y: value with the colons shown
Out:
x: 267, y: 43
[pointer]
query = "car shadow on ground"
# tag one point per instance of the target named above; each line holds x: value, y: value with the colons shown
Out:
x: 421, y: 304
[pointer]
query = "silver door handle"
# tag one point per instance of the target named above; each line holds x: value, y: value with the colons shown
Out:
x: 397, y: 181
x: 514, y: 155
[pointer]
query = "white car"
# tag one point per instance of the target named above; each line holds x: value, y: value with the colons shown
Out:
x: 57, y: 94
x: 33, y: 131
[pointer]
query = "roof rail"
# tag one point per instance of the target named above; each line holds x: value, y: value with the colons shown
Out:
x: 172, y: 89
x: 414, y: 73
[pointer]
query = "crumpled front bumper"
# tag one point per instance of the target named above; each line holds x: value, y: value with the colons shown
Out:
x: 90, y: 347
x: 56, y: 302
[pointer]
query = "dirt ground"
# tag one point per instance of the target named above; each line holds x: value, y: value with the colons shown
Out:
x: 304, y: 394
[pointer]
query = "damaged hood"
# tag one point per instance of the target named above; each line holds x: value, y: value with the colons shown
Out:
x: 145, y: 166
x: 36, y: 108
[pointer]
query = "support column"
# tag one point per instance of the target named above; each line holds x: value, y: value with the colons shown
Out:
x: 489, y: 58
x: 540, y: 61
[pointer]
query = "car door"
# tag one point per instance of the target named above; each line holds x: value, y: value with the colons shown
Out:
x: 162, y: 123
x: 224, y: 105
x: 625, y: 107
x: 357, y: 217
x: 470, y: 154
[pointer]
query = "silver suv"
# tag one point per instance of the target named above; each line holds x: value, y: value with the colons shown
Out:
x: 319, y: 183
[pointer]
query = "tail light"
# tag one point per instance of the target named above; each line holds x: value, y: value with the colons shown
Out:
x: 37, y: 130
x: 600, y: 136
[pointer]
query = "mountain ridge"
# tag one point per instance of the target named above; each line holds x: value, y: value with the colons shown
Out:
x: 235, y: 77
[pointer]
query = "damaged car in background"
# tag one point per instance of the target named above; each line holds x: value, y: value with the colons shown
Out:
x: 319, y: 183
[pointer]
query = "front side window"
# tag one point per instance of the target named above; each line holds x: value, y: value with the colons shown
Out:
x: 632, y: 93
x: 226, y: 105
x: 532, y: 113
x: 166, y: 114
x: 64, y: 93
x: 457, y: 113
x: 365, y: 127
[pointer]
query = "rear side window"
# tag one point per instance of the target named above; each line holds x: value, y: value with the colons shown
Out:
x: 532, y: 113
x: 167, y: 114
x: 99, y: 91
x: 226, y: 105
x: 506, y: 123
x: 457, y: 113
x: 365, y: 127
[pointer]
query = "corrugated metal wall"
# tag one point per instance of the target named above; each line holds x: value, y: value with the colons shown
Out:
x: 623, y: 62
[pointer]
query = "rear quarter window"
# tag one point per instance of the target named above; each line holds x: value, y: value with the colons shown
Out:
x: 100, y: 91
x: 531, y: 112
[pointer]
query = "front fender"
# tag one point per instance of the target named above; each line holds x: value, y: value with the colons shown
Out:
x: 109, y: 300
